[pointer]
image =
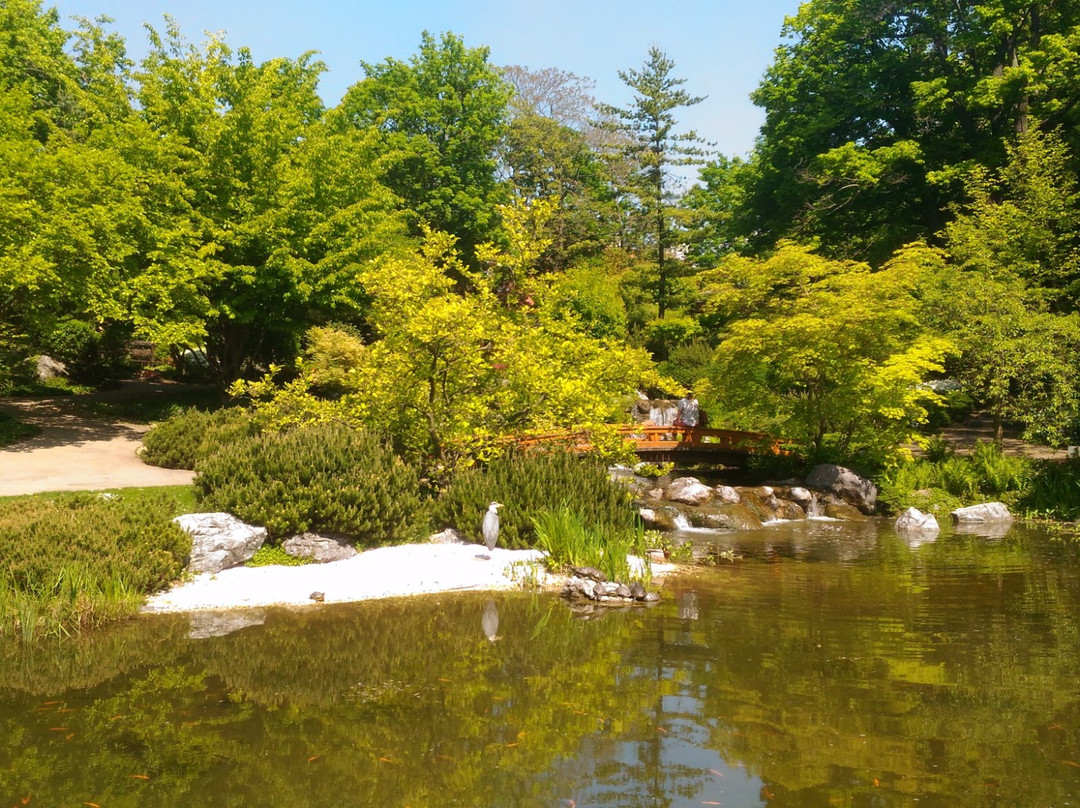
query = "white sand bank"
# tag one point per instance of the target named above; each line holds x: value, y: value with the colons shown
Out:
x: 408, y: 569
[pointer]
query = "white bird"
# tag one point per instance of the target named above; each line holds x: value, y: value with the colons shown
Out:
x: 490, y: 527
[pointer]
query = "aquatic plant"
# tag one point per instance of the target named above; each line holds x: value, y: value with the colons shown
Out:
x: 569, y: 540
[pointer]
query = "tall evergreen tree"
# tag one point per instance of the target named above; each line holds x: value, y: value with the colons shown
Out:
x: 657, y: 148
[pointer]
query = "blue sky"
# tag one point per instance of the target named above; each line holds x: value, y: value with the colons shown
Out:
x: 721, y: 47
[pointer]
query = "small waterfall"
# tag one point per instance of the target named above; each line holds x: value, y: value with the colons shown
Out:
x: 814, y: 508
x: 663, y: 413
x: 680, y: 521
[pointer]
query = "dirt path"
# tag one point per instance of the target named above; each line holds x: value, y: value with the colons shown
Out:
x: 76, y: 452
x: 979, y: 426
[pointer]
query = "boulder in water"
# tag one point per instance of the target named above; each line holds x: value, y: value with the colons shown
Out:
x: 984, y: 512
x: 688, y: 490
x: 915, y: 521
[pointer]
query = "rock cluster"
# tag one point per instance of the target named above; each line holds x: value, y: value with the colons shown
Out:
x: 686, y: 502
x: 590, y: 583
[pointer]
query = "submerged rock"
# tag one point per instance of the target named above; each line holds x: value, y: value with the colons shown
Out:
x: 789, y: 511
x: 838, y: 509
x: 984, y: 512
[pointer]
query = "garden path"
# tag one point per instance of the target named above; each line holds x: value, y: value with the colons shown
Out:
x: 76, y: 451
x: 979, y: 426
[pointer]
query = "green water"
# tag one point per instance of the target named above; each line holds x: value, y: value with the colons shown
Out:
x: 830, y: 666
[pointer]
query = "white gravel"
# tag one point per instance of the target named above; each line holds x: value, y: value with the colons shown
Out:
x: 408, y: 569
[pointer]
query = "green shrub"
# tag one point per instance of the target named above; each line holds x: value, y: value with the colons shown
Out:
x: 79, y: 560
x: 89, y: 354
x: 179, y: 441
x: 1052, y: 490
x: 997, y: 473
x: 528, y: 484
x: 13, y: 430
x: 569, y: 540
x: 273, y: 555
x: 689, y: 363
x: 322, y: 478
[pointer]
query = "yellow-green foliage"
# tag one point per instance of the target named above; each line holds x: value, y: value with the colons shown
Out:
x: 825, y: 353
x: 79, y: 560
x: 179, y: 441
x: 528, y: 484
x: 448, y: 374
x: 323, y: 478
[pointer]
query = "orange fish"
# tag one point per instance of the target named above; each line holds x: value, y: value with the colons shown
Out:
x: 710, y: 803
x: 661, y: 729
x: 313, y: 757
x: 718, y: 774
x: 386, y: 760
x: 139, y: 776
x: 1072, y: 763
x: 58, y: 729
x: 91, y: 805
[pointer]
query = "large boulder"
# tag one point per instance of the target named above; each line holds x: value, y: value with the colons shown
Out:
x: 219, y: 541
x: 845, y: 483
x: 984, y: 512
x: 688, y: 490
x: 836, y: 508
x: 49, y: 368
x: 320, y: 549
x: 915, y: 521
x: 727, y: 516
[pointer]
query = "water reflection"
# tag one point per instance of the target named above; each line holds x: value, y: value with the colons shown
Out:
x: 829, y: 666
x: 489, y: 622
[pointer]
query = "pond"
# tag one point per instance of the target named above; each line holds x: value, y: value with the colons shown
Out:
x: 830, y: 665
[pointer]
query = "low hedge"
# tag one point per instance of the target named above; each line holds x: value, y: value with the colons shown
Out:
x: 325, y: 478
x: 179, y: 441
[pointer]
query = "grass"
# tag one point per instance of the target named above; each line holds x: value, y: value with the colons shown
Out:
x: 564, y: 535
x: 13, y: 430
x: 182, y: 497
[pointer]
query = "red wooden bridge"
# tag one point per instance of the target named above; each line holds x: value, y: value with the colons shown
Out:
x: 676, y: 444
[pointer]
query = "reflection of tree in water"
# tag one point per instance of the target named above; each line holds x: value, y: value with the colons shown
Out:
x: 945, y: 673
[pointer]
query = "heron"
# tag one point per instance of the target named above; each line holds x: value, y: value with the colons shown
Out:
x: 490, y: 527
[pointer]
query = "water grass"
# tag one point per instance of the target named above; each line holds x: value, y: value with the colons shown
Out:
x: 565, y: 535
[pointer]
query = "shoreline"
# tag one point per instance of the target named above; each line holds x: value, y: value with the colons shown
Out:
x: 384, y: 572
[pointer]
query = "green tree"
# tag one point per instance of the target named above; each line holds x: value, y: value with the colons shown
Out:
x: 871, y: 108
x: 439, y: 119
x: 283, y: 207
x: 655, y: 148
x: 826, y: 353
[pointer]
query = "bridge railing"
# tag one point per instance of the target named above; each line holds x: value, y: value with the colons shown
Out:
x: 648, y: 437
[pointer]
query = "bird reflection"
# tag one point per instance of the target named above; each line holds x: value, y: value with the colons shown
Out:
x: 490, y: 621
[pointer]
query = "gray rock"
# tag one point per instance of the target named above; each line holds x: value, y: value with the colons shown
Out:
x: 788, y: 511
x: 725, y: 493
x: 592, y: 573
x: 915, y: 521
x: 657, y: 518
x: 688, y: 490
x: 49, y: 368
x: 448, y: 536
x: 654, y: 493
x: 219, y: 541
x: 984, y: 512
x: 320, y: 549
x: 800, y: 495
x: 857, y: 490
x: 651, y: 597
